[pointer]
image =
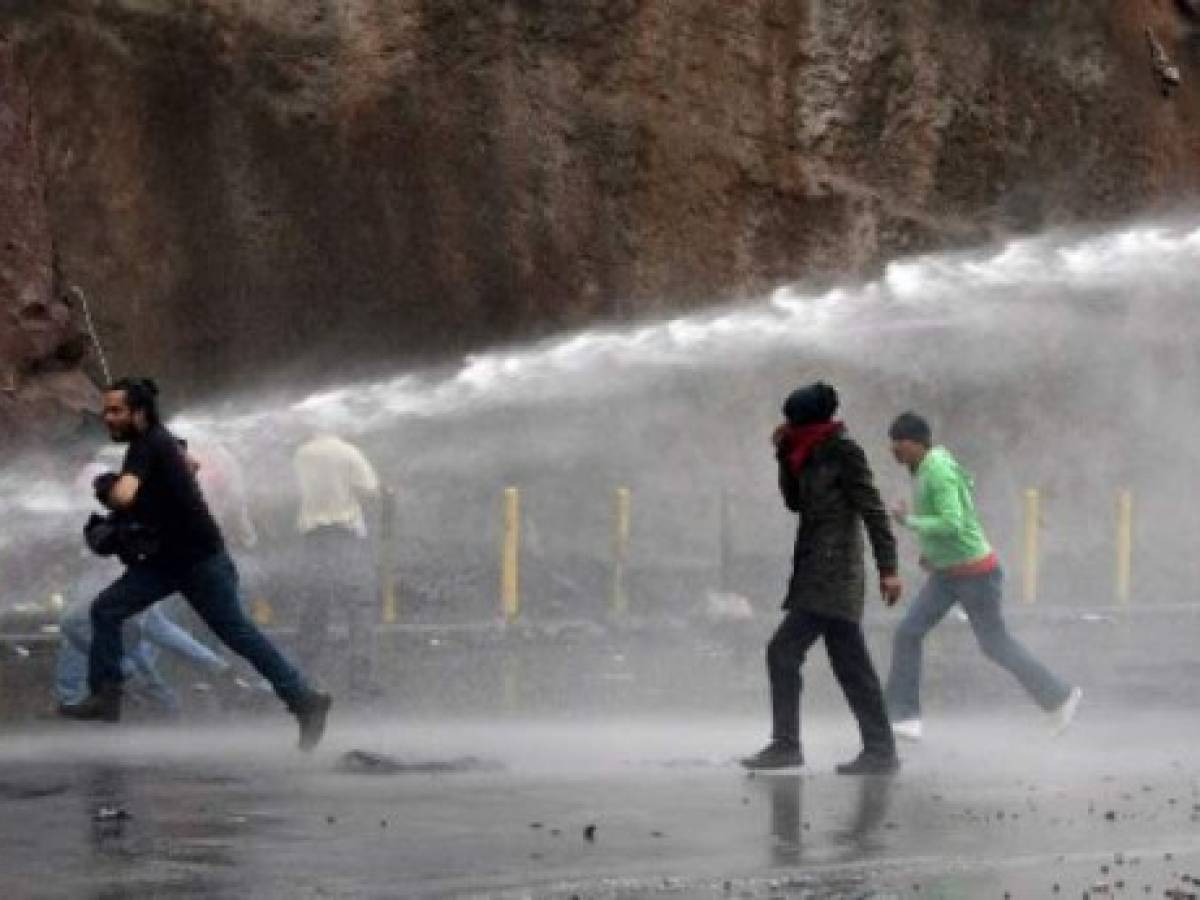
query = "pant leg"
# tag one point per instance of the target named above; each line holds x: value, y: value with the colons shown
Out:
x: 360, y: 617
x: 904, y: 677
x: 162, y: 632
x: 312, y: 623
x: 70, y: 673
x: 74, y: 647
x: 362, y: 611
x: 785, y: 655
x: 75, y: 625
x: 211, y: 587
x: 71, y: 670
x: 143, y: 668
x: 851, y: 661
x: 981, y: 596
x: 137, y: 589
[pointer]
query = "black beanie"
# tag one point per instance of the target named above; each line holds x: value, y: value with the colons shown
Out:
x: 911, y: 427
x: 811, y: 404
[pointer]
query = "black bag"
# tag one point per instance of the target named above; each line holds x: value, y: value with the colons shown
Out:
x: 138, y: 542
x: 119, y: 535
x: 100, y: 534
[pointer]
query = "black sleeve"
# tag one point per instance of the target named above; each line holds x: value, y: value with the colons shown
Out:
x: 139, y: 460
x: 864, y: 496
x: 788, y: 487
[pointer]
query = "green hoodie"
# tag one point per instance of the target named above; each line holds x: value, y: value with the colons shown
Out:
x: 944, y: 517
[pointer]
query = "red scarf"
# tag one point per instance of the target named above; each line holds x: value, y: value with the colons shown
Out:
x: 799, y: 441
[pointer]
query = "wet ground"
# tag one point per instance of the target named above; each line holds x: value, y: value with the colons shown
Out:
x: 601, y: 808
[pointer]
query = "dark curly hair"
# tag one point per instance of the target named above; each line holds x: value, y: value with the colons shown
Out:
x: 141, y: 394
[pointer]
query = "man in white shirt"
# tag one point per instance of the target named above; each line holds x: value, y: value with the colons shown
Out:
x: 335, y: 478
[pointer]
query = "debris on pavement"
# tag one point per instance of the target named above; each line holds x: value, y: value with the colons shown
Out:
x: 111, y: 814
x: 365, y: 762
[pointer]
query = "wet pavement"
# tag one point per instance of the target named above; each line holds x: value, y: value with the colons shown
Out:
x: 601, y: 808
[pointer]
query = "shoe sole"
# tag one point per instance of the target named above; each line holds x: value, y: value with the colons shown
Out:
x: 103, y: 720
x: 753, y: 767
x: 891, y: 770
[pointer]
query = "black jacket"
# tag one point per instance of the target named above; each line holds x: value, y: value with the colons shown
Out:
x: 833, y: 491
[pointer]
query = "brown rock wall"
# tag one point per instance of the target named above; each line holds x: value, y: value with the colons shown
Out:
x: 41, y: 390
x: 255, y: 191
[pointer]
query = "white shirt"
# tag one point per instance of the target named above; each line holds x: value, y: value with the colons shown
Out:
x: 332, y: 473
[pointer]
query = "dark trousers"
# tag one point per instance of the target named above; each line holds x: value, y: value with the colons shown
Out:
x: 339, y: 575
x: 847, y: 648
x: 211, y: 588
x: 980, y: 597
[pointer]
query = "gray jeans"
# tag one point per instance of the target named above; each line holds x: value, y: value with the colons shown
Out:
x: 339, y: 575
x: 980, y: 597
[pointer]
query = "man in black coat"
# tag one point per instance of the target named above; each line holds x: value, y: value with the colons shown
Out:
x: 178, y: 548
x: 824, y: 477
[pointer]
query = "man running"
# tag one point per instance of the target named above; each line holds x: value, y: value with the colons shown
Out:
x: 179, y: 548
x: 963, y: 569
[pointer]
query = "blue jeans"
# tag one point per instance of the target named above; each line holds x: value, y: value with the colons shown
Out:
x: 211, y: 587
x: 71, y: 669
x: 979, y: 596
x: 154, y: 631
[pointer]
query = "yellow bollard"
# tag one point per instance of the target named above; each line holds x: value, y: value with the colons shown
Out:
x: 391, y: 612
x: 1029, y: 555
x: 510, y: 598
x: 387, y: 550
x: 261, y: 612
x: 620, y: 597
x: 1124, y: 546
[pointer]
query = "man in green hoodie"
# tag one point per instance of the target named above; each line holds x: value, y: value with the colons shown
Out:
x: 963, y: 569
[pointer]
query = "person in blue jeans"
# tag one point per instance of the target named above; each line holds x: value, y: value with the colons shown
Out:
x: 964, y: 570
x: 152, y: 631
x: 177, y: 547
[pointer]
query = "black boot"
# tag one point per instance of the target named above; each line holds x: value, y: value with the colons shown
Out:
x: 871, y: 763
x: 311, y: 713
x: 103, y: 705
x: 776, y: 755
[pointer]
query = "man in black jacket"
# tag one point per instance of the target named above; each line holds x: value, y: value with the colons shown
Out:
x: 180, y: 549
x: 824, y: 477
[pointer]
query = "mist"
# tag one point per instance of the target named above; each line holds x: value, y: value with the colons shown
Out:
x: 1062, y: 362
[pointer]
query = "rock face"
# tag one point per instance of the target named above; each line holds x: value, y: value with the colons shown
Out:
x: 259, y: 190
x: 41, y: 388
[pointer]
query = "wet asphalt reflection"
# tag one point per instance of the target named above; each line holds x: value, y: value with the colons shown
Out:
x: 511, y: 808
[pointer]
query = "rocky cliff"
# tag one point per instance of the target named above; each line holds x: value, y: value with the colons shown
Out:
x: 253, y: 191
x: 42, y: 389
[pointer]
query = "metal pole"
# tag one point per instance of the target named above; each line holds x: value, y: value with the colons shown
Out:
x: 621, y: 530
x: 261, y: 612
x: 510, y: 599
x: 1030, y: 547
x: 387, y: 551
x: 91, y: 329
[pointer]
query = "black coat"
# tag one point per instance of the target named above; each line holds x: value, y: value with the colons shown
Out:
x: 833, y: 491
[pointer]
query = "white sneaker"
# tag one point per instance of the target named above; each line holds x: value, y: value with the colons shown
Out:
x: 907, y: 729
x: 1060, y: 719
